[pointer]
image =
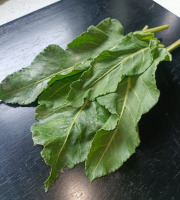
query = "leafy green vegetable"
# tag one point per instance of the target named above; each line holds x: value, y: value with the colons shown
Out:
x: 136, y: 95
x: 132, y: 56
x: 54, y: 63
x: 67, y: 135
x: 24, y: 86
x: 91, y: 96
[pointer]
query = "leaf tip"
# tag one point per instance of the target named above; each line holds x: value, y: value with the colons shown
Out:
x: 46, y: 186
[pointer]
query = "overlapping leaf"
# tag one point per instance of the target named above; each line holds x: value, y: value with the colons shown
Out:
x: 24, y: 86
x: 67, y: 136
x: 132, y: 56
x: 54, y: 97
x: 136, y: 95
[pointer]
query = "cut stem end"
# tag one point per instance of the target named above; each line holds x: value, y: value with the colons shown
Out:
x: 145, y: 28
x: 156, y: 29
x: 173, y: 45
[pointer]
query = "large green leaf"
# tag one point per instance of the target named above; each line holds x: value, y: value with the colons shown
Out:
x: 136, y: 95
x: 54, y: 63
x: 67, y: 135
x: 132, y: 56
x: 25, y: 85
x: 104, y: 36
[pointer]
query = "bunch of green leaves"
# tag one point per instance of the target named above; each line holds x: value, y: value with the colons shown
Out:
x: 91, y: 96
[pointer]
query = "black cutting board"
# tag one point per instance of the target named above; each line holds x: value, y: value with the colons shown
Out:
x: 153, y: 173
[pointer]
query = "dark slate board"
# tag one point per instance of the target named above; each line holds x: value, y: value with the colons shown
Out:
x: 153, y: 173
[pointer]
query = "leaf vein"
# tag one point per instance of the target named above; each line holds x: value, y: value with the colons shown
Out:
x: 69, y: 130
x: 116, y: 130
x: 114, y: 67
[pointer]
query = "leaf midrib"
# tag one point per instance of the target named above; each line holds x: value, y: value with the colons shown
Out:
x: 115, y: 66
x: 14, y: 91
x: 69, y: 130
x: 120, y: 116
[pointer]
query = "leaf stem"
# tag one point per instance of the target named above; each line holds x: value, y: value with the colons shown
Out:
x: 161, y: 46
x: 145, y: 28
x: 173, y: 45
x: 156, y: 29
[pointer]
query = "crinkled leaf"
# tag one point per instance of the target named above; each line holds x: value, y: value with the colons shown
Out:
x: 67, y: 135
x: 136, y: 95
x: 54, y: 97
x: 132, y: 56
x: 54, y: 63
x: 109, y: 102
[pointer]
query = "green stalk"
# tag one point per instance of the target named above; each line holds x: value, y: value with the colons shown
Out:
x: 161, y: 46
x: 173, y: 45
x: 156, y: 29
x: 145, y: 28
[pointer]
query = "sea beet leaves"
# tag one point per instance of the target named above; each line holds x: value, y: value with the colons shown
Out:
x: 54, y: 63
x: 91, y: 97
